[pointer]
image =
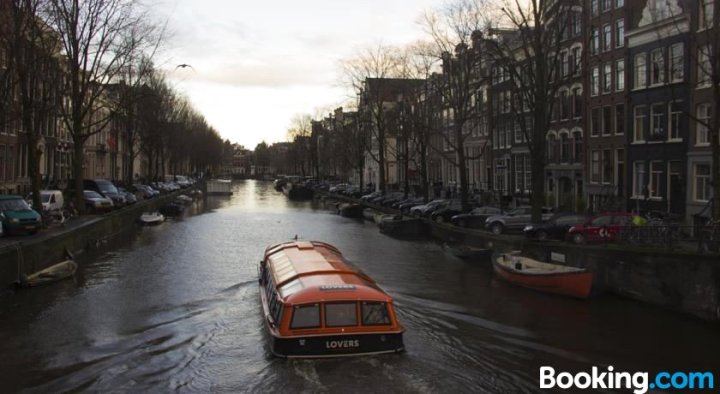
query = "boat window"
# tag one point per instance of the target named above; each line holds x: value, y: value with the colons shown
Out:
x: 374, y: 313
x: 306, y: 316
x: 341, y: 314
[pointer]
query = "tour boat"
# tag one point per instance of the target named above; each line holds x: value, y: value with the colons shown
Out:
x: 315, y: 304
x: 51, y: 274
x: 546, y: 277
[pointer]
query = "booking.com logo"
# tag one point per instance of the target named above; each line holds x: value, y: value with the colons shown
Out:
x: 639, y: 382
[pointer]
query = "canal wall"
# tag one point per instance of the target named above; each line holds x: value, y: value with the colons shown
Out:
x: 677, y: 280
x: 674, y: 279
x: 26, y: 255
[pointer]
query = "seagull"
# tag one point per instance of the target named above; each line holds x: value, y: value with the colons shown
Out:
x: 184, y: 66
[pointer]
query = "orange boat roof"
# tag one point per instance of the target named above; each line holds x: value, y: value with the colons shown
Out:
x: 316, y: 271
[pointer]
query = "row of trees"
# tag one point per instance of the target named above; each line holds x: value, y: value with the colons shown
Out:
x: 464, y: 41
x: 89, y: 64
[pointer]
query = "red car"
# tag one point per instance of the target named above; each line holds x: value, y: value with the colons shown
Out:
x: 603, y: 227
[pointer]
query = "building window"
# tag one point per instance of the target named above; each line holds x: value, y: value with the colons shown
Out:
x: 594, y: 7
x: 594, y: 40
x: 607, y: 38
x: 706, y: 13
x: 564, y: 148
x: 577, y: 102
x: 577, y: 147
x: 607, y: 120
x: 656, y: 173
x: 595, y: 81
x: 564, y: 105
x: 595, y: 166
x: 658, y: 112
x: 639, y: 181
x: 677, y: 73
x: 619, y: 33
x: 577, y: 59
x: 551, y: 148
x: 702, y: 189
x: 607, y: 78
x: 619, y: 3
x: 620, y: 119
x: 702, y: 131
x: 595, y: 122
x: 640, y: 124
x: 565, y: 61
x: 640, y: 71
x: 607, y: 166
x: 620, y: 171
x: 675, y: 119
x: 577, y: 25
x: 620, y: 75
x: 607, y: 5
x: 519, y: 137
x: 657, y: 64
x: 704, y: 72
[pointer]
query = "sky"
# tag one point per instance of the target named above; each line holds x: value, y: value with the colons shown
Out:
x: 256, y: 65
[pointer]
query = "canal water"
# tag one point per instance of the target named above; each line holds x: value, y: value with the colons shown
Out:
x: 177, y: 309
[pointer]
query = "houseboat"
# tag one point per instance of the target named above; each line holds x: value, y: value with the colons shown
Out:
x: 315, y: 304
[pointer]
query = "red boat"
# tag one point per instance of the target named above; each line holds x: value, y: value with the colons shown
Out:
x: 546, y: 277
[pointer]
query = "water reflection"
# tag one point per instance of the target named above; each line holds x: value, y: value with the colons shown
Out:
x: 177, y: 309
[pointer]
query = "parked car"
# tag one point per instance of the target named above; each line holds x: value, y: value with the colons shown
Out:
x: 51, y: 200
x: 444, y: 214
x: 475, y: 218
x: 96, y: 202
x: 143, y: 191
x: 370, y: 196
x: 17, y: 216
x: 514, y: 220
x: 603, y: 227
x: 426, y: 209
x: 556, y: 227
x: 129, y: 197
x: 338, y: 188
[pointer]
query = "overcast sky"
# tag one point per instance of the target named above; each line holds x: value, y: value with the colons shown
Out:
x: 257, y: 64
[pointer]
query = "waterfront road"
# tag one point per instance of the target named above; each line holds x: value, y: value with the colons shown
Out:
x: 177, y: 309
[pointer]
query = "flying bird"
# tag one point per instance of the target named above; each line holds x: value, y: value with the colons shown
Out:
x: 184, y: 66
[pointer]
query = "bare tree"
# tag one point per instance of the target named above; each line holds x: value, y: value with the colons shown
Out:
x: 371, y: 75
x: 456, y: 34
x: 96, y: 46
x: 300, y: 133
x: 527, y: 44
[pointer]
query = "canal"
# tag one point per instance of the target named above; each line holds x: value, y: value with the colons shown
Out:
x: 177, y: 309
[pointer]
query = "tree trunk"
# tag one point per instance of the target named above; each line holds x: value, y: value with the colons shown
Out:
x: 424, y: 171
x: 461, y: 167
x: 381, y: 160
x: 78, y: 150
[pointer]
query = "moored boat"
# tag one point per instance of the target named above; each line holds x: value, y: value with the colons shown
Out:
x: 350, y: 210
x: 152, y: 218
x: 369, y: 214
x: 546, y: 277
x: 317, y: 305
x: 468, y: 252
x: 51, y: 274
x: 399, y: 226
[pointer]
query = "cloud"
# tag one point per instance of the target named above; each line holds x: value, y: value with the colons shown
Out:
x: 269, y: 74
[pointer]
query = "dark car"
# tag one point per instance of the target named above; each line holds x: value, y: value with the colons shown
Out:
x: 603, y: 227
x: 475, y: 218
x: 444, y: 214
x: 555, y: 228
x: 102, y: 186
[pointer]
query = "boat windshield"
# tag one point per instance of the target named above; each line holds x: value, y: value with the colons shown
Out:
x: 14, y: 205
x: 375, y: 313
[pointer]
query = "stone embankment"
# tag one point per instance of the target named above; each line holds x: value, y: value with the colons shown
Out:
x: 677, y: 279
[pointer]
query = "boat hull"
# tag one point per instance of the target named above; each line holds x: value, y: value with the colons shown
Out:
x: 571, y: 284
x: 51, y: 274
x: 337, y: 345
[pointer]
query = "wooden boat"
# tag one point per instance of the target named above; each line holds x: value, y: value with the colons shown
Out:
x: 317, y: 305
x: 350, y: 210
x: 546, y: 277
x: 152, y: 218
x: 399, y: 226
x: 51, y: 274
x: 172, y: 209
x: 369, y: 214
x: 468, y: 252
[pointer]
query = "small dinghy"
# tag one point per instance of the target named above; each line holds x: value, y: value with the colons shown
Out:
x: 183, y: 199
x: 546, y: 277
x: 51, y: 274
x: 152, y: 218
